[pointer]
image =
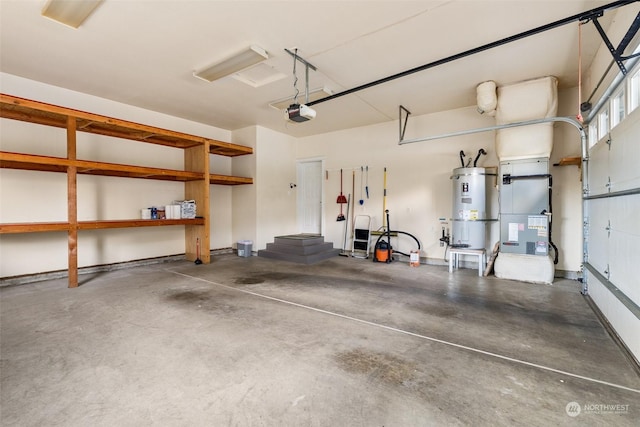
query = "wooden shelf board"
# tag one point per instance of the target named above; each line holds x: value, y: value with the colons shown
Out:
x: 569, y: 161
x: 37, y: 227
x: 128, y: 171
x: 57, y: 164
x: 228, y: 149
x: 229, y: 180
x: 103, y: 224
x: 33, y: 162
x: 15, y: 108
x: 33, y: 227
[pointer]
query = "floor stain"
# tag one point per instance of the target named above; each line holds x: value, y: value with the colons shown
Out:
x: 248, y: 280
x: 265, y: 277
x: 204, y: 300
x: 377, y: 366
x: 188, y: 296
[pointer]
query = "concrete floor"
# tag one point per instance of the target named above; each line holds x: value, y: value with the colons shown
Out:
x: 347, y: 342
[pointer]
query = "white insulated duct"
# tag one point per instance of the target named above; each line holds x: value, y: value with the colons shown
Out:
x: 519, y: 102
x: 487, y: 98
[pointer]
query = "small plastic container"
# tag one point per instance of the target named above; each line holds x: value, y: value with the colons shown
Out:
x: 245, y: 248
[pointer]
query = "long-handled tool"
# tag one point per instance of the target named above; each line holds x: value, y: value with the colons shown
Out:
x: 198, y: 261
x: 384, y: 199
x: 346, y: 228
x: 361, y: 184
x: 367, y: 186
x: 353, y: 191
x: 389, y: 258
x: 341, y: 200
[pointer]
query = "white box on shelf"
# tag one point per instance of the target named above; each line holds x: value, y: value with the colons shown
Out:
x: 188, y: 209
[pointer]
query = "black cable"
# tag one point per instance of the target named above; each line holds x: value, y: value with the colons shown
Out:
x: 555, y: 248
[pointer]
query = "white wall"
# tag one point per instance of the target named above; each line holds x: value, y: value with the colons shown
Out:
x: 268, y: 207
x: 419, y: 189
x: 244, y: 197
x: 567, y: 187
x: 41, y: 196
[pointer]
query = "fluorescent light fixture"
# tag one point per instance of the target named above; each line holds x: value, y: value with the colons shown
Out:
x: 238, y: 62
x: 314, y: 95
x: 70, y: 12
x: 259, y: 75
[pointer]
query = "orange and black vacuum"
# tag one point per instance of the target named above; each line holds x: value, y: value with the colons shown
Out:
x: 383, y: 249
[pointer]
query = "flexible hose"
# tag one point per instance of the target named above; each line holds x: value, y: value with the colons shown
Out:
x: 480, y: 153
x: 397, y: 232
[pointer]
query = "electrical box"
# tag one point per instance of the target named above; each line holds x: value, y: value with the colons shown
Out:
x: 524, y: 195
x: 524, y: 234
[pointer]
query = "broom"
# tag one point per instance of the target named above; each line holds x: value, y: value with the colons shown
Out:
x: 198, y: 261
x: 341, y: 200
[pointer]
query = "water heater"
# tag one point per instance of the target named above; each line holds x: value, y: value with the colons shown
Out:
x: 471, y: 196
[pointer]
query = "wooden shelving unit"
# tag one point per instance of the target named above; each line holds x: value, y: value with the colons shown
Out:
x: 196, y: 175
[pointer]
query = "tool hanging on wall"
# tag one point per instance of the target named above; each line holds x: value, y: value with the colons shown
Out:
x: 353, y: 191
x: 361, y: 184
x: 367, y: 186
x: 384, y: 199
x: 341, y: 215
x: 346, y: 228
x: 198, y: 261
x: 341, y: 198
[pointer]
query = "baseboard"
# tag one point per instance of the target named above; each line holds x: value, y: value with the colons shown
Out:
x: 60, y: 274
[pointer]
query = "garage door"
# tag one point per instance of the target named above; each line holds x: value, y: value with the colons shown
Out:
x: 612, y: 212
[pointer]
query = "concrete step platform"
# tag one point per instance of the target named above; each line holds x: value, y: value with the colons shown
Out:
x: 299, y: 248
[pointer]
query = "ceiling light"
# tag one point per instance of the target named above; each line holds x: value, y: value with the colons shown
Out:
x: 70, y: 12
x: 238, y: 62
x: 314, y: 95
x: 259, y: 75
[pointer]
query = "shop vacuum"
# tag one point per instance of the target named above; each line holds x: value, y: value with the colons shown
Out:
x: 382, y: 249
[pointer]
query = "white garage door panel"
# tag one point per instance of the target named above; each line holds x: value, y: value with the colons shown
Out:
x: 624, y: 270
x: 624, y: 162
x: 625, y: 323
x: 598, y: 234
x: 599, y: 169
x: 624, y: 242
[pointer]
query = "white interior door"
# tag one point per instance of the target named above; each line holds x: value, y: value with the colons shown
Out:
x: 309, y: 198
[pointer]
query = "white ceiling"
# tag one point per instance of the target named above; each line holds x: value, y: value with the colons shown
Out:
x: 144, y: 52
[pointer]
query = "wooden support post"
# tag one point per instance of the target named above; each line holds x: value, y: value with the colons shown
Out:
x: 196, y: 159
x: 72, y: 202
